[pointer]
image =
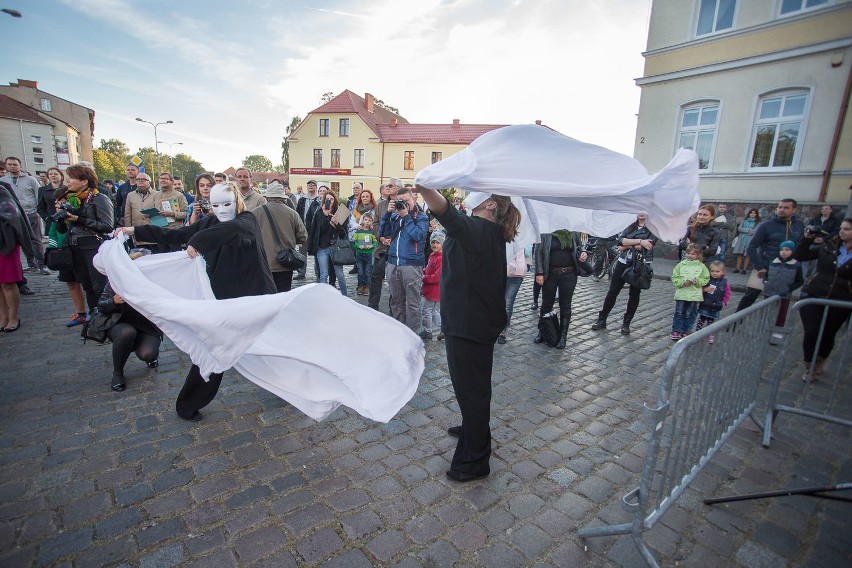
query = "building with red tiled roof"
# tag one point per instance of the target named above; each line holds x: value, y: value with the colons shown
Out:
x: 354, y: 139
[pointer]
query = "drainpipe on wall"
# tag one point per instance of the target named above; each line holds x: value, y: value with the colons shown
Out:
x: 835, y: 140
x: 24, y: 147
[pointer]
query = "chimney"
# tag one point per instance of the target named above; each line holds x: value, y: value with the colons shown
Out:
x: 394, y: 122
x: 456, y: 123
x: 27, y: 83
x: 538, y: 122
x: 369, y: 100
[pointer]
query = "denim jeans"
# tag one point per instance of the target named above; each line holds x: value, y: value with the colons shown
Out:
x: 364, y: 263
x: 685, y: 315
x: 325, y: 266
x: 431, y: 315
x: 513, y: 284
x: 723, y: 248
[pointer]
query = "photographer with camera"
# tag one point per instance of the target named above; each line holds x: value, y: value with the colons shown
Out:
x: 201, y: 206
x: 406, y: 226
x: 141, y: 198
x: 87, y: 215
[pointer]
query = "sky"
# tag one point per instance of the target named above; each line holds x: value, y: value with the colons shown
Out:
x: 231, y: 75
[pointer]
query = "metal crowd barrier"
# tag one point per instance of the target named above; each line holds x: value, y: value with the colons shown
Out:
x: 810, y: 403
x: 699, y: 406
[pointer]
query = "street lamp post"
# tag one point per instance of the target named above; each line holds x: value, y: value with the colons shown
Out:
x: 156, y: 141
x: 171, y: 161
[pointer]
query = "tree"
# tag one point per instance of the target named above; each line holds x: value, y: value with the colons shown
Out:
x: 327, y: 97
x: 107, y: 166
x: 381, y: 103
x: 115, y: 147
x: 187, y: 168
x: 257, y: 163
x: 285, y: 144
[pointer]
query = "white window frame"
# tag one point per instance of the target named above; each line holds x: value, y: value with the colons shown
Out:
x: 808, y: 91
x: 715, y: 30
x: 38, y: 150
x: 699, y: 104
x: 803, y: 8
x: 35, y: 139
x: 46, y: 105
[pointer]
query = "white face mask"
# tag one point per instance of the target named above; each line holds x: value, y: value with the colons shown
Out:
x: 223, y: 203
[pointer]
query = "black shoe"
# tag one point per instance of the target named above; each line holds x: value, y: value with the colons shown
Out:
x: 538, y: 338
x: 464, y: 477
x: 599, y: 325
x: 154, y: 364
x: 534, y: 307
x: 299, y: 277
x: 501, y: 339
x: 118, y: 382
x: 354, y: 270
x: 25, y: 290
x: 625, y: 329
x: 194, y: 418
x: 454, y: 431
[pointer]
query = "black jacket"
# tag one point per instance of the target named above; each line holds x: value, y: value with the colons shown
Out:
x: 233, y: 251
x: 830, y: 225
x: 634, y: 231
x: 828, y: 280
x: 46, y: 205
x: 705, y: 236
x: 94, y: 222
x: 541, y: 251
x: 321, y: 232
x: 107, y: 306
x: 312, y: 209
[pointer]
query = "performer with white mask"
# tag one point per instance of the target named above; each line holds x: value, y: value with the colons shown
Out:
x: 231, y: 245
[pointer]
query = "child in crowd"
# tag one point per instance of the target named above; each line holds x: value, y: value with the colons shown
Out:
x: 364, y: 241
x: 783, y: 276
x: 431, y: 289
x: 716, y: 296
x: 688, y: 277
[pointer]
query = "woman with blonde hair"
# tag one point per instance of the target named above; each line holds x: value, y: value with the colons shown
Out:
x: 232, y: 247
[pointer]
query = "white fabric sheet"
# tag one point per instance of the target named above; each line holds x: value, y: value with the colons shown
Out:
x: 311, y: 346
x: 566, y: 183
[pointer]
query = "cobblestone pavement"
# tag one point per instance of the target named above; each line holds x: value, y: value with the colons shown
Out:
x: 91, y: 477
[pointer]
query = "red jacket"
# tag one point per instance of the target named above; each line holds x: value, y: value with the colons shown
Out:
x: 432, y: 278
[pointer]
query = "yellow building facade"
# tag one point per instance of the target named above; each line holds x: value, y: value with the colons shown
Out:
x: 351, y: 139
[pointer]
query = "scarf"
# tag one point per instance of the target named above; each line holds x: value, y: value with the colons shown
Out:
x: 566, y: 238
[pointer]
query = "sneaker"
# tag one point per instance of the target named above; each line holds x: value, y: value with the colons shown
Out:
x: 675, y: 336
x: 534, y: 307
x: 26, y: 291
x: 45, y: 271
x: 32, y: 269
x: 426, y: 334
x: 153, y: 364
x: 76, y: 319
x: 501, y: 339
x: 712, y: 339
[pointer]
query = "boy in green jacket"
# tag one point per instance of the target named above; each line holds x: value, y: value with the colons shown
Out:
x: 688, y: 277
x: 364, y: 242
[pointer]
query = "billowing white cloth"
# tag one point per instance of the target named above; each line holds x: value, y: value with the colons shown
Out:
x: 568, y: 184
x: 311, y: 346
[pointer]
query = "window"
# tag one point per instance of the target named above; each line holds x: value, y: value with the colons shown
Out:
x: 794, y: 6
x: 38, y: 160
x: 335, y: 188
x: 45, y: 105
x: 335, y: 158
x: 323, y: 124
x: 344, y: 127
x: 35, y: 139
x: 409, y: 160
x: 317, y: 157
x: 777, y: 128
x: 38, y: 150
x: 358, y: 161
x: 437, y: 156
x: 715, y: 16
x: 698, y: 131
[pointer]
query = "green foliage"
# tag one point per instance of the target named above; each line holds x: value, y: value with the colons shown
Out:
x: 381, y: 103
x: 187, y: 168
x: 448, y: 193
x: 257, y: 163
x: 115, y: 147
x: 285, y: 144
x: 113, y: 155
x: 107, y: 166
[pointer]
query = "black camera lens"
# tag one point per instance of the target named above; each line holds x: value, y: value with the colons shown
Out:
x: 400, y: 204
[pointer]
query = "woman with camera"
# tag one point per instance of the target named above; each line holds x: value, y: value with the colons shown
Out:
x: 201, y: 206
x: 231, y: 245
x: 324, y: 230
x: 86, y: 215
x: 132, y: 332
x: 832, y: 279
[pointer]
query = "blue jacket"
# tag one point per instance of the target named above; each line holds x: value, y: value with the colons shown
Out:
x: 768, y: 238
x: 408, y: 237
x: 782, y: 277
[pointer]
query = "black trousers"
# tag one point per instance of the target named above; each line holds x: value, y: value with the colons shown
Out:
x: 87, y: 275
x: 377, y: 277
x: 616, y: 283
x: 470, y: 371
x: 283, y: 280
x: 751, y: 295
x: 196, y: 393
x: 126, y: 339
x: 811, y: 318
x: 565, y: 282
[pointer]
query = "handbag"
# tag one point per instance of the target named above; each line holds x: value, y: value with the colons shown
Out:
x: 342, y: 252
x: 96, y: 328
x: 584, y: 268
x: 755, y: 281
x: 58, y: 258
x: 288, y: 258
x: 548, y: 326
x: 640, y: 273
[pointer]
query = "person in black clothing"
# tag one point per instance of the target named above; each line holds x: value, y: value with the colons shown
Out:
x: 232, y: 247
x: 473, y: 314
x: 133, y: 332
x: 47, y: 196
x: 556, y: 268
x: 703, y: 233
x: 636, y: 237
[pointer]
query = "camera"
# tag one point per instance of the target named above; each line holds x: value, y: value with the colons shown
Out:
x: 204, y: 204
x: 62, y: 212
x: 400, y: 204
x: 816, y: 230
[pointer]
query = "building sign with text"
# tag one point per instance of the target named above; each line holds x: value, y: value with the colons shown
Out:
x: 320, y: 172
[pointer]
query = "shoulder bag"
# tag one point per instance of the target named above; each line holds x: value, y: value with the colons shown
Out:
x: 342, y: 252
x: 96, y: 329
x: 58, y: 258
x: 640, y: 273
x: 288, y: 258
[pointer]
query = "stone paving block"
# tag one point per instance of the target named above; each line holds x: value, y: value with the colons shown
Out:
x: 500, y: 555
x: 105, y: 553
x: 298, y: 522
x: 133, y: 493
x: 239, y: 521
x: 384, y: 487
x: 454, y: 512
x: 350, y: 499
x: 204, y: 515
x: 595, y: 488
x: 213, y: 487
x: 360, y: 524
x: 219, y: 559
x: 439, y: 553
x: 288, y: 482
x: 424, y: 529
x: 531, y: 541
x: 555, y: 523
x: 114, y: 525
x: 287, y: 503
x: 319, y: 545
x: 160, y: 531
x: 522, y: 506
x: 755, y: 556
x: 624, y: 553
x: 398, y: 509
x: 481, y: 497
x: 255, y: 545
x: 171, y: 555
x: 349, y: 558
x: 64, y: 544
x: 248, y: 496
x: 200, y: 544
x: 430, y: 492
